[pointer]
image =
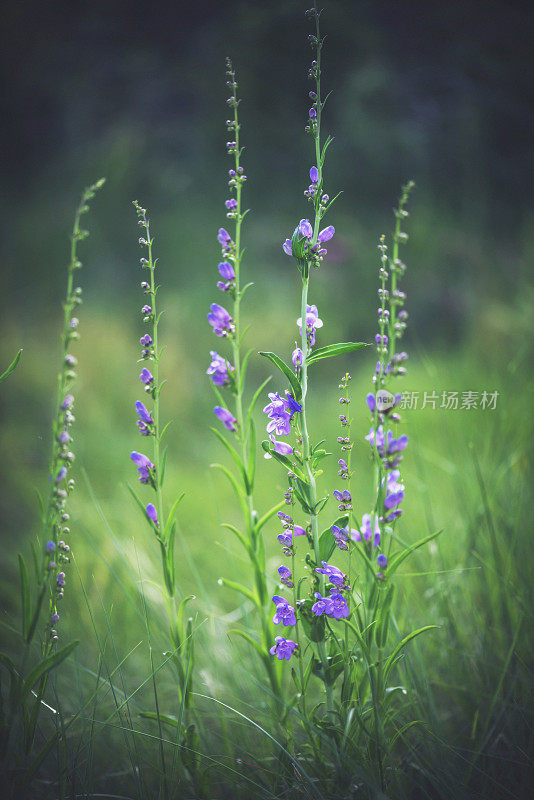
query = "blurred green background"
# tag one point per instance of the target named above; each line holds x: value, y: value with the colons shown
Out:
x: 136, y: 93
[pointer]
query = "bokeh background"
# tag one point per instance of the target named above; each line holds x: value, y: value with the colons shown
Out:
x: 136, y: 92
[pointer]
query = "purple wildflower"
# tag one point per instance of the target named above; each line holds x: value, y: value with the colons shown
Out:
x: 225, y: 240
x: 283, y: 648
x: 341, y: 537
x: 340, y: 607
x: 64, y: 437
x: 146, y: 310
x: 285, y: 613
x: 219, y: 369
x: 298, y: 530
x: 145, y: 419
x: 311, y: 191
x: 279, y: 415
x: 367, y: 532
x: 312, y: 322
x: 297, y: 357
x: 144, y: 465
x: 343, y: 496
x: 146, y: 340
x: 335, y: 576
x: 395, y: 490
x: 291, y: 404
x: 393, y: 447
x: 305, y: 228
x: 50, y: 547
x: 228, y: 420
x: 152, y: 513
x: 143, y: 413
x: 67, y: 402
x: 62, y: 474
x: 286, y: 537
x: 226, y: 271
x: 286, y: 247
x: 146, y: 376
x: 382, y: 561
x: 281, y: 447
x: 323, y: 605
x: 220, y: 320
x: 326, y: 234
x: 285, y: 576
x: 371, y: 402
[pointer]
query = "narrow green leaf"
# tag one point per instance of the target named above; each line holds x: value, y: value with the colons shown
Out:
x: 163, y: 465
x: 406, y: 728
x: 169, y: 561
x: 170, y: 518
x: 238, y: 587
x: 290, y: 375
x: 251, y: 467
x: 267, y: 516
x: 167, y: 719
x: 381, y: 630
x: 137, y: 500
x: 25, y: 596
x: 46, y: 665
x: 360, y: 639
x: 391, y: 658
x: 36, y: 613
x: 332, y: 350
x: 164, y: 431
x: 11, y: 367
x: 218, y: 395
x: 256, y: 645
x: 9, y: 665
x: 235, y: 485
x: 233, y: 452
x: 237, y: 532
x: 244, y: 365
x: 397, y: 561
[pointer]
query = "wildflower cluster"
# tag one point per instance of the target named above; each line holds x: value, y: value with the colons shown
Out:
x: 328, y: 587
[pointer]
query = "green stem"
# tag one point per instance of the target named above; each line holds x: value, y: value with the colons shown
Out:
x: 242, y: 433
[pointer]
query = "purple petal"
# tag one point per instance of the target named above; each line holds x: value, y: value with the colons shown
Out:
x: 326, y: 234
x: 305, y: 228
x: 140, y: 459
x: 143, y: 412
x: 152, y: 513
x: 226, y: 270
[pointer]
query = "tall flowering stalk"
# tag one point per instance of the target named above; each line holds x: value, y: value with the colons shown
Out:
x: 338, y: 615
x: 288, y: 414
x: 230, y: 376
x: 151, y: 472
x: 51, y: 551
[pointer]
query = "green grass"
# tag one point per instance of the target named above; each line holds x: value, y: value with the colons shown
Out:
x: 467, y: 472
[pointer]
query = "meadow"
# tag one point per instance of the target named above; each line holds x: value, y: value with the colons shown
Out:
x: 115, y: 711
